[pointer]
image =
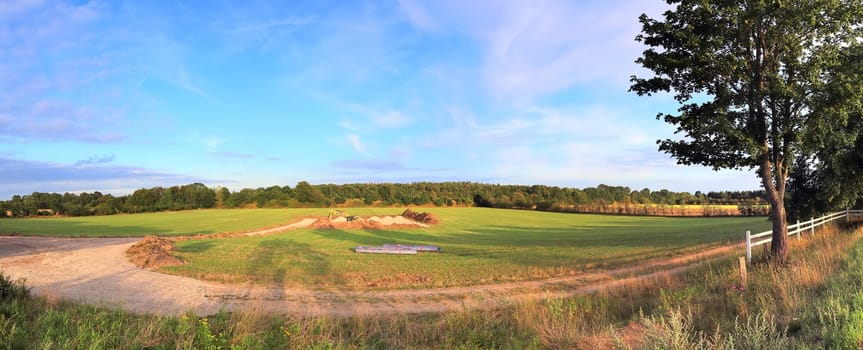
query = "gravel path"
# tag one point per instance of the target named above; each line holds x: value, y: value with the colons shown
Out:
x: 95, y: 270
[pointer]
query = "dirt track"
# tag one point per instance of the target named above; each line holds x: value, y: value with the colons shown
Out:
x: 95, y: 270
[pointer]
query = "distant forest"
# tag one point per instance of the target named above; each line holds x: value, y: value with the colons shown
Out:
x: 600, y: 199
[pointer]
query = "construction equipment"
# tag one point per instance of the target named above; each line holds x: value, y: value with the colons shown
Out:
x: 335, y: 213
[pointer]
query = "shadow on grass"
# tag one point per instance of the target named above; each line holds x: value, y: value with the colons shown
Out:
x: 376, y: 237
x: 196, y: 246
x: 268, y: 260
x: 542, y: 246
x: 59, y: 227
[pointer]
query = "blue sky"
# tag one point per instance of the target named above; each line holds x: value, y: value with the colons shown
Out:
x: 119, y: 95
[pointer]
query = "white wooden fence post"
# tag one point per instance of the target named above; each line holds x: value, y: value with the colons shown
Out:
x: 799, y: 230
x: 748, y: 247
x: 812, y: 227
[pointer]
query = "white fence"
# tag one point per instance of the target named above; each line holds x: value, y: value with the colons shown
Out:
x: 797, y: 229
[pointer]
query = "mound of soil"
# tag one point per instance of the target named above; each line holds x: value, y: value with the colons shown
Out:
x: 424, y: 217
x: 373, y: 222
x: 344, y: 224
x: 153, y: 252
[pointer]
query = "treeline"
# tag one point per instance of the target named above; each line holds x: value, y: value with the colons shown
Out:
x: 665, y: 209
x: 600, y: 199
x: 193, y: 196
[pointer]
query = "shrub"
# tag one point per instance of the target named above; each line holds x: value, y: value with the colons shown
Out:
x: 12, y: 290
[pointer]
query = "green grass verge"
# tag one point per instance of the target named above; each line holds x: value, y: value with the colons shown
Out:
x: 479, y: 246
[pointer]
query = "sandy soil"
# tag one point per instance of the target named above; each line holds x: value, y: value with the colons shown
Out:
x: 302, y: 223
x: 95, y: 270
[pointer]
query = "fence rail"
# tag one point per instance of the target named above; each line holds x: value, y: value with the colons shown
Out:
x: 754, y: 240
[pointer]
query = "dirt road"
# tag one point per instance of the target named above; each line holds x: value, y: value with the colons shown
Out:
x: 95, y: 270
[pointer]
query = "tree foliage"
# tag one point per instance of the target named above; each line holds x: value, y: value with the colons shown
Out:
x: 600, y: 199
x: 754, y: 80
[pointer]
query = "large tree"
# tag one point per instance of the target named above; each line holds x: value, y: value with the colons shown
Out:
x: 752, y: 79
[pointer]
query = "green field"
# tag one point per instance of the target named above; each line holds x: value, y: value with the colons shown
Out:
x: 175, y: 223
x: 479, y: 246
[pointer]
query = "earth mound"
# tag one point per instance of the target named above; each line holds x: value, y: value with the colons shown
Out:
x: 373, y: 222
x: 153, y: 252
x: 342, y: 223
x: 424, y: 217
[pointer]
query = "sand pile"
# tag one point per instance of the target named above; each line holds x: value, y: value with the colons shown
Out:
x: 374, y: 222
x: 344, y: 224
x: 426, y: 218
x: 153, y: 252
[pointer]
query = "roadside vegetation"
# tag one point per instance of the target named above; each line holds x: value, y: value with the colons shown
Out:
x: 813, y: 302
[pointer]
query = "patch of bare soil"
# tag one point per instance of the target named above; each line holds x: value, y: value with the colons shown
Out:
x: 426, y: 218
x: 153, y: 252
x: 396, y: 280
x: 372, y: 223
x: 344, y: 224
x: 306, y: 222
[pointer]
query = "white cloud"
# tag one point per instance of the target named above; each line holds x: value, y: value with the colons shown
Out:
x: 391, y: 119
x: 265, y: 26
x: 543, y: 126
x: 108, y: 158
x: 232, y: 154
x: 366, y: 117
x: 47, y: 119
x: 214, y: 141
x: 347, y: 125
x: 536, y: 48
x: 574, y: 146
x: 51, y: 59
x: 417, y: 15
x: 183, y: 80
x: 356, y: 143
x: 547, y: 48
x: 585, y: 164
x: 10, y: 8
x: 27, y: 176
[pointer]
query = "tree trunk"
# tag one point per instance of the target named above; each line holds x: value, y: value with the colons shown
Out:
x: 776, y: 196
x: 779, y: 244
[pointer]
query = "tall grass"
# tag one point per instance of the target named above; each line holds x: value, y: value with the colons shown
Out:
x: 816, y: 301
x: 808, y: 303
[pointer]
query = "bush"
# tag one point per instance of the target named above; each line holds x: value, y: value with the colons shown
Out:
x: 12, y: 290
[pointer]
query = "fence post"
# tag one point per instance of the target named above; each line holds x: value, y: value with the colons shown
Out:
x: 812, y: 227
x: 748, y: 247
x: 799, y: 230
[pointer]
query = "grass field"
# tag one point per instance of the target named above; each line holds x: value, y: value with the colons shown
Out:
x: 814, y: 302
x: 176, y: 223
x: 479, y: 246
